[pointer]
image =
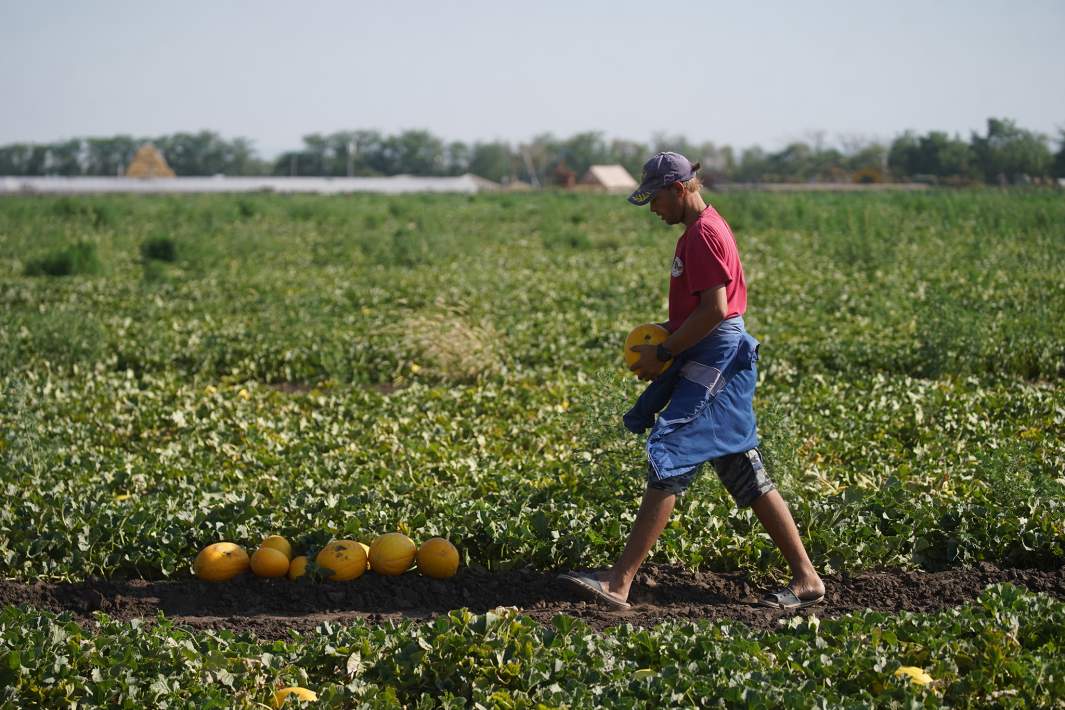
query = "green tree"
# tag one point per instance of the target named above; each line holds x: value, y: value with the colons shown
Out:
x: 37, y: 162
x: 17, y: 159
x: 494, y: 161
x: 416, y: 152
x: 675, y: 143
x: 1008, y: 153
x: 825, y: 164
x: 344, y: 154
x: 540, y: 156
x: 241, y: 159
x: 323, y: 156
x: 65, y: 158
x: 795, y: 162
x: 316, y: 157
x: 752, y: 166
x: 335, y: 154
x: 718, y: 162
x: 291, y: 163
x: 870, y: 157
x: 368, y: 146
x: 459, y: 156
x: 109, y: 156
x: 904, y: 155
x: 584, y: 150
x: 944, y: 156
x: 934, y: 154
x: 630, y: 155
x: 204, y: 153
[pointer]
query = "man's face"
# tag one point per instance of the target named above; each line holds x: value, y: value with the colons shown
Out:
x: 667, y: 204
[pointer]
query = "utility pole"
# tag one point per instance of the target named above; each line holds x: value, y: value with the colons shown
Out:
x: 351, y: 158
x: 529, y: 167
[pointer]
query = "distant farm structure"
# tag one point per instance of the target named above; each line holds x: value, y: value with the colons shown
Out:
x: 148, y: 162
x: 609, y: 178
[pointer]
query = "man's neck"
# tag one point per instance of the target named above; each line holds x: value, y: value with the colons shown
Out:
x: 693, y: 207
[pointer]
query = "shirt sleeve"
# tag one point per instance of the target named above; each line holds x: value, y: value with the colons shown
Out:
x: 704, y: 262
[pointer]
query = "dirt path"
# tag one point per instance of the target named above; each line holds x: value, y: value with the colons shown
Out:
x: 269, y: 608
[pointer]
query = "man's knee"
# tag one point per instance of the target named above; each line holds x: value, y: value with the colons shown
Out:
x: 674, y: 485
x: 744, y: 476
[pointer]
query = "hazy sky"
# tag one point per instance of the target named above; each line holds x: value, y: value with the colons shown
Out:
x: 738, y: 73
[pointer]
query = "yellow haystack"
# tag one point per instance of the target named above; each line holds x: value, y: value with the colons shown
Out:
x: 148, y: 162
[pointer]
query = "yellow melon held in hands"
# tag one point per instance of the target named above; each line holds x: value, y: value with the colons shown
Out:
x: 646, y: 334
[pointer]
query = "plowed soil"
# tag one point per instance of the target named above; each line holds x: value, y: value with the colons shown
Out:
x: 269, y: 608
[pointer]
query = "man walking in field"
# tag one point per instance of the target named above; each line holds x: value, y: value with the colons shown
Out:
x: 709, y: 389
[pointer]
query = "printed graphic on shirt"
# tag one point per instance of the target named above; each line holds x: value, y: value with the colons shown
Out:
x: 678, y: 267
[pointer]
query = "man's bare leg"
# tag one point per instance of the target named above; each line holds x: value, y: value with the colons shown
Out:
x: 776, y: 518
x: 651, y: 520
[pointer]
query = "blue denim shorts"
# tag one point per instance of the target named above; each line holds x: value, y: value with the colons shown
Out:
x: 743, y: 475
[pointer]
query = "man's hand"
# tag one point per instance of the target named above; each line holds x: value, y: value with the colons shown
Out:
x: 648, y: 366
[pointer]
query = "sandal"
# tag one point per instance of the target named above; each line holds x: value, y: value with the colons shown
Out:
x: 787, y: 599
x: 588, y: 583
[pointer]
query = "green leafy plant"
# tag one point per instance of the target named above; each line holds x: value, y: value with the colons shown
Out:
x: 78, y: 258
x: 159, y: 248
x: 269, y: 384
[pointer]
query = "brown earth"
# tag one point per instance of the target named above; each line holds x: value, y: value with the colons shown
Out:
x: 269, y: 608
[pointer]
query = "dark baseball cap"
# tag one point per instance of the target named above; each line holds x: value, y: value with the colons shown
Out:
x: 660, y: 171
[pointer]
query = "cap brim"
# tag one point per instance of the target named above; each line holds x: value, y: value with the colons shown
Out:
x: 645, y: 192
x: 642, y: 195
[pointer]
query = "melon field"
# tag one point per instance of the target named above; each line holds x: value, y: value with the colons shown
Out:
x: 179, y: 371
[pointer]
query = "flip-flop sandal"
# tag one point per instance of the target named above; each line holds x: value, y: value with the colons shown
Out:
x: 787, y: 599
x: 588, y: 583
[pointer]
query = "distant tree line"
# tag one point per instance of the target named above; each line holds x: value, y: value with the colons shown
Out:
x: 203, y: 153
x: 1004, y: 154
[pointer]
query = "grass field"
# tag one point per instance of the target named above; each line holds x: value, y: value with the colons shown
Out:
x: 178, y: 371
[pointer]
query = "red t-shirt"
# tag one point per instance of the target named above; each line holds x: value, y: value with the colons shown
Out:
x: 706, y: 257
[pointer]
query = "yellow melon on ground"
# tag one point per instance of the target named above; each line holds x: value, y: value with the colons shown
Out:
x: 345, y: 558
x: 278, y: 543
x: 301, y: 693
x: 437, y: 558
x: 269, y: 562
x: 220, y: 562
x: 298, y: 567
x: 366, y: 549
x: 392, y: 554
x: 916, y: 675
x: 646, y: 334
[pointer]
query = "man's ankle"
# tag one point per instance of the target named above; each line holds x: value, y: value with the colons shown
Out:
x: 810, y: 580
x: 616, y: 583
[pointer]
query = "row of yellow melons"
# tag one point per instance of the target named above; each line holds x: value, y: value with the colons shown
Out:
x: 391, y: 554
x: 917, y: 676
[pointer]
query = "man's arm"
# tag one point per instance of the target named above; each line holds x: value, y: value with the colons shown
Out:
x: 712, y: 309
